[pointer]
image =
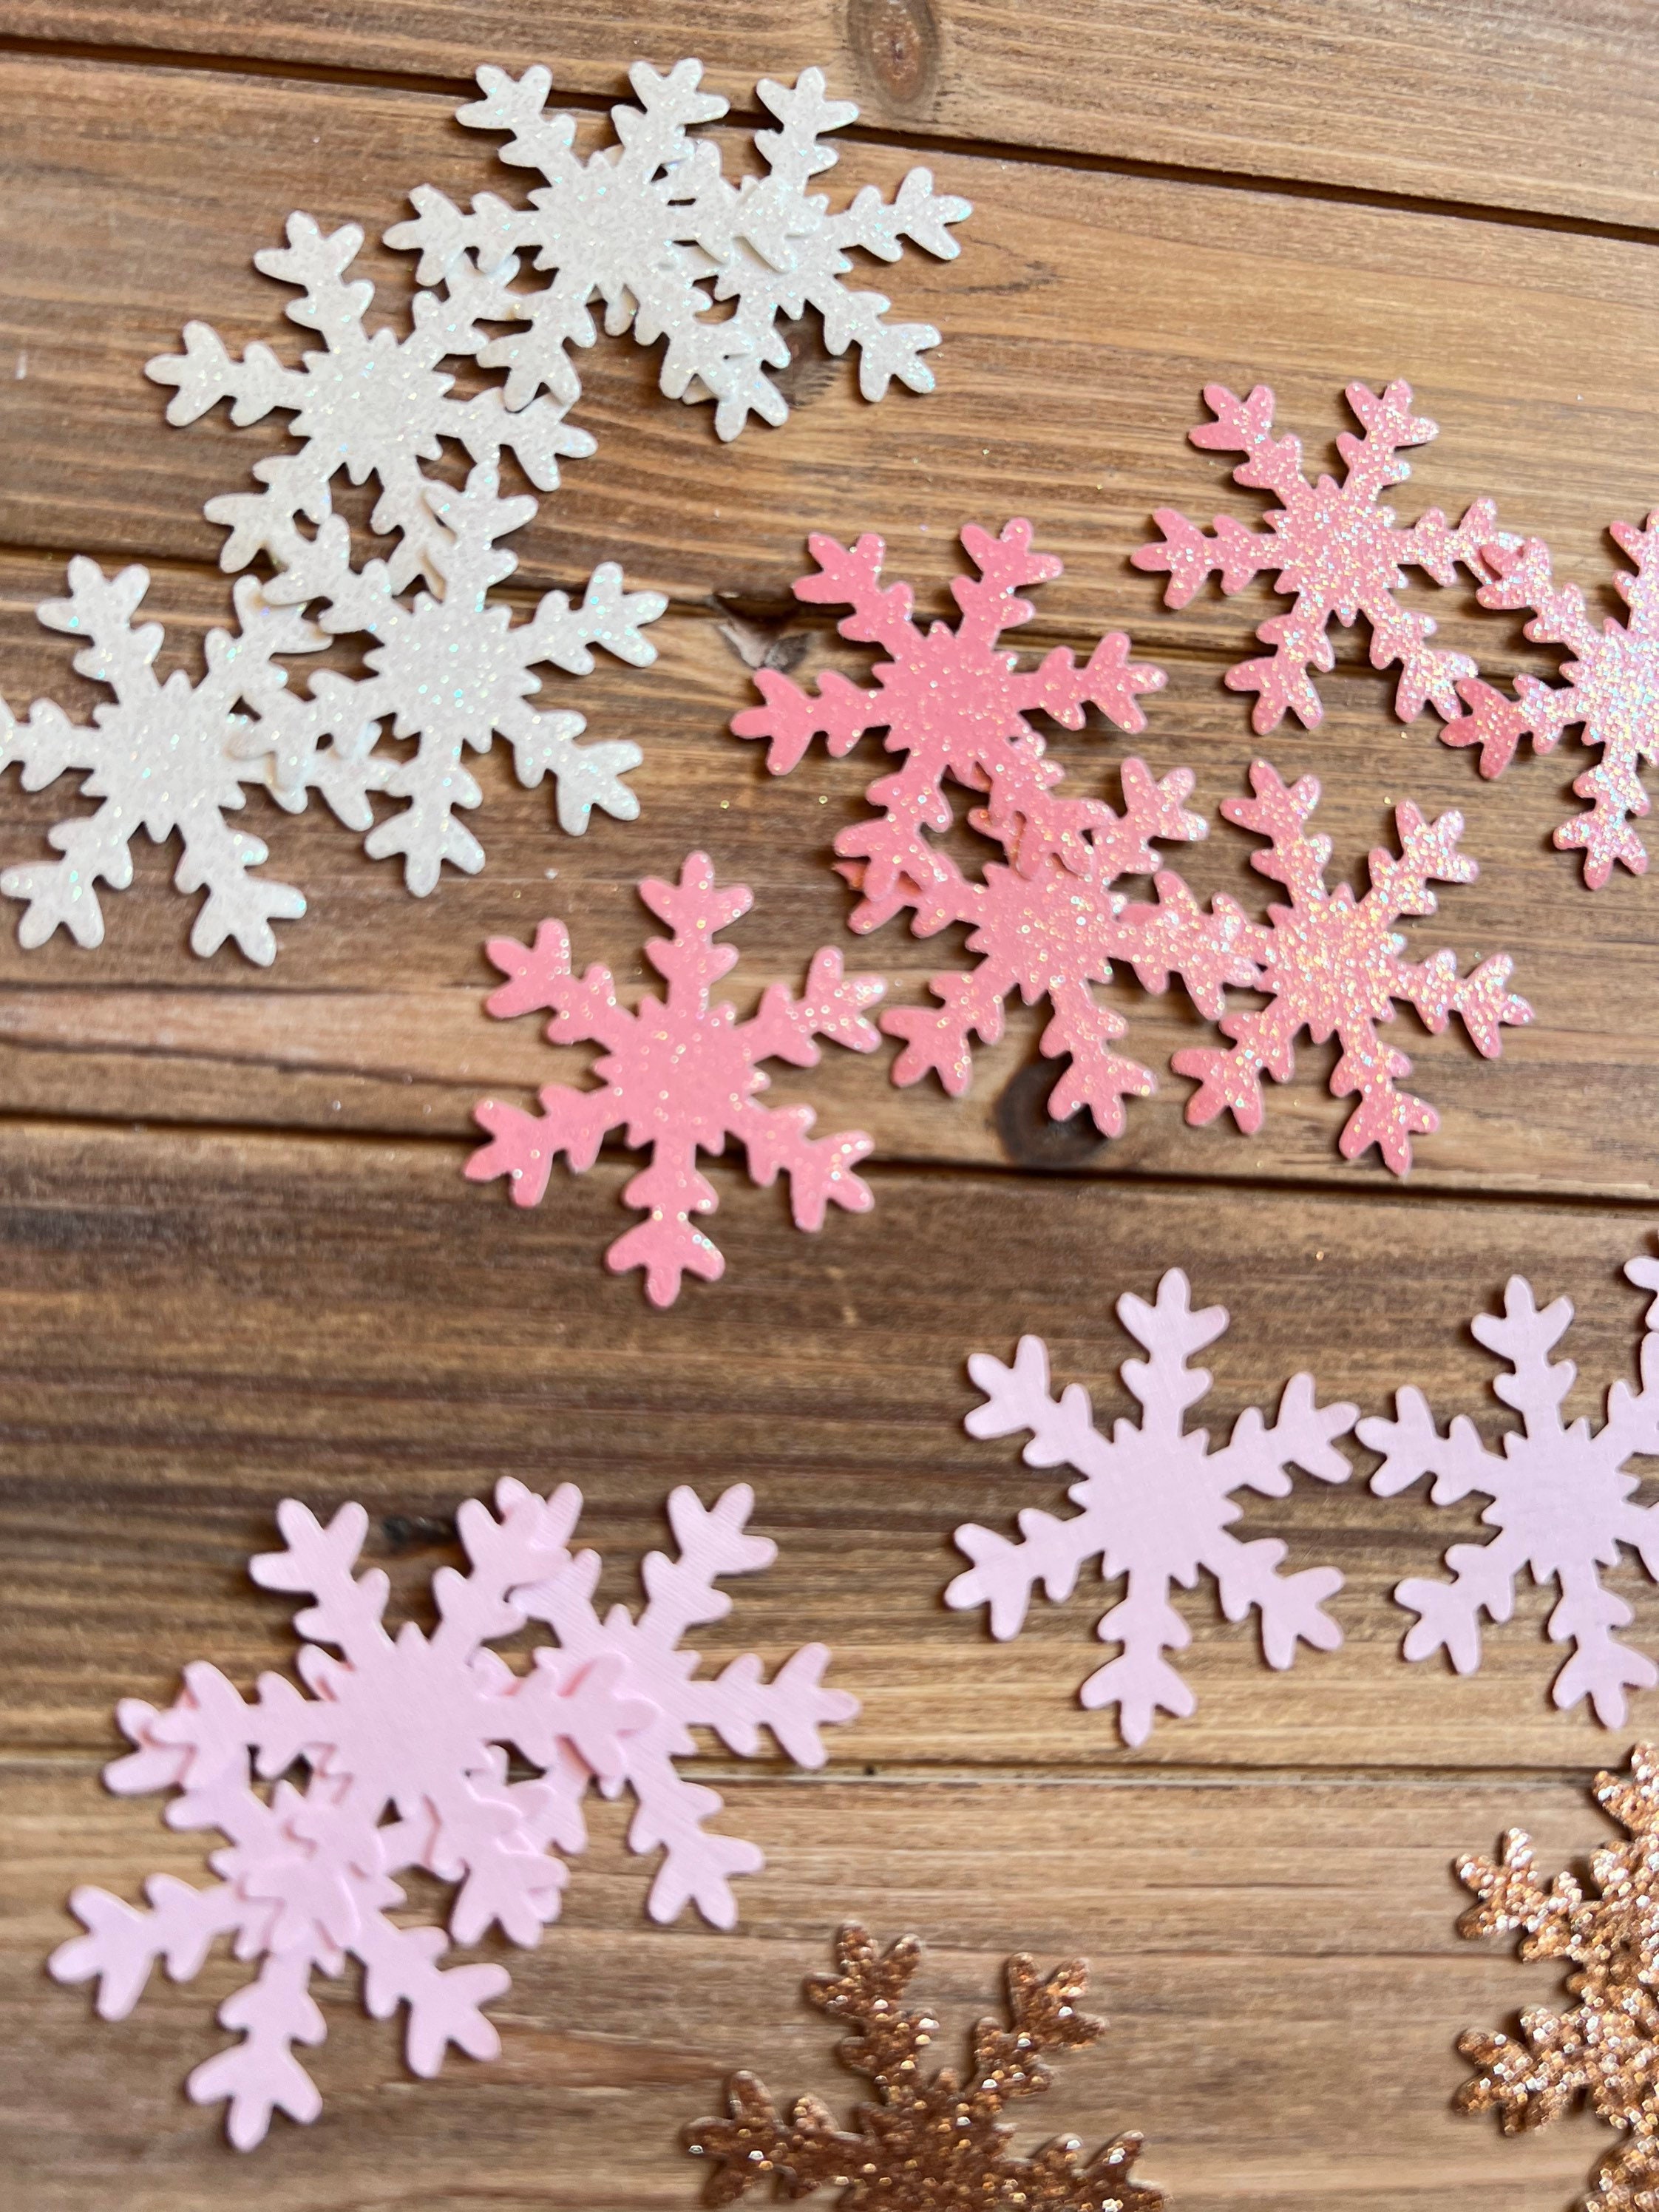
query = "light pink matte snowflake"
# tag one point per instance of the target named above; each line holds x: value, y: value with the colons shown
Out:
x: 1333, y: 966
x: 679, y: 1075
x: 1329, y: 546
x: 1612, y: 689
x: 1052, y: 934
x: 1157, y: 1506
x: 951, y: 702
x: 420, y: 1728
x: 1562, y: 1503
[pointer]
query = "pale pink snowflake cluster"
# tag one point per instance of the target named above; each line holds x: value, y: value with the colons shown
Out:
x: 405, y: 1741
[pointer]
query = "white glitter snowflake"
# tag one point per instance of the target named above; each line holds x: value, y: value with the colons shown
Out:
x: 455, y: 671
x: 406, y: 1740
x: 646, y: 224
x: 164, y: 758
x: 1562, y: 1502
x: 376, y: 405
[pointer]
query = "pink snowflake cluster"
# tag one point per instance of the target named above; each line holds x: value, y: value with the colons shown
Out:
x: 406, y: 1740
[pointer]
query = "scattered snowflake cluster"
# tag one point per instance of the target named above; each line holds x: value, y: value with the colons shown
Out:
x: 1562, y: 1502
x: 680, y: 253
x: 404, y: 1740
x: 1157, y: 1506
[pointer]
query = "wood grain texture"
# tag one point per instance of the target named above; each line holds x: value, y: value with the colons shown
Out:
x: 1496, y: 103
x: 238, y: 1261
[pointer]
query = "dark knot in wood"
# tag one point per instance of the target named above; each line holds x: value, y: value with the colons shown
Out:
x: 1029, y: 1137
x: 898, y: 41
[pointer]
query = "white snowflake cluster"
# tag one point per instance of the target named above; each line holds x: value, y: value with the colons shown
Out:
x: 678, y: 252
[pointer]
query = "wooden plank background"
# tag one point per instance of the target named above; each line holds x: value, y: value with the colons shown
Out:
x: 238, y: 1261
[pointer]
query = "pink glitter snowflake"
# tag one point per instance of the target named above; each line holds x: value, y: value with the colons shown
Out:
x: 1052, y: 934
x: 420, y: 1727
x: 1330, y: 547
x: 1562, y: 1503
x: 1612, y: 690
x: 1157, y: 1506
x: 952, y: 702
x: 679, y: 1075
x: 1333, y: 967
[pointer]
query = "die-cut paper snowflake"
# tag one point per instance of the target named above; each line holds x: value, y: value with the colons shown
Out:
x: 1328, y: 546
x: 1612, y: 690
x: 644, y: 225
x: 406, y: 1740
x: 1157, y: 1506
x: 1603, y: 2049
x: 679, y: 1075
x: 926, y: 2145
x: 162, y: 757
x: 1562, y: 1502
x: 375, y: 405
x: 1334, y: 966
x: 1052, y: 934
x: 953, y: 704
x: 454, y: 672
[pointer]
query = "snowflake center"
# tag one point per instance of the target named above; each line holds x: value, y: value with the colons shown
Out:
x: 1340, y: 553
x: 366, y: 395
x: 456, y: 667
x: 398, y: 1729
x: 683, y: 1073
x: 1338, y: 959
x: 1047, y: 933
x: 1530, y: 1512
x: 966, y: 705
x: 1618, y: 689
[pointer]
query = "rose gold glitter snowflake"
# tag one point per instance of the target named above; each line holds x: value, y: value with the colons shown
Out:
x: 1604, y: 2049
x: 938, y: 2145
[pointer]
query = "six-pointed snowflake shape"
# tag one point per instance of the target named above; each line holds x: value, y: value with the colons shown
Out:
x: 1604, y: 2047
x: 953, y: 704
x: 1562, y: 1503
x: 1157, y: 1506
x: 1612, y: 690
x: 1328, y: 546
x: 406, y: 1739
x: 1335, y: 967
x: 645, y: 224
x: 679, y: 1075
x: 926, y: 2145
x: 375, y: 405
x: 454, y: 672
x: 163, y: 758
x: 1052, y: 934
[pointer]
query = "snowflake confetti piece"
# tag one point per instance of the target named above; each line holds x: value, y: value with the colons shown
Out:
x: 406, y: 1739
x: 376, y: 406
x: 1157, y: 1506
x: 1331, y: 548
x: 1603, y: 2049
x: 679, y: 1075
x: 162, y: 757
x: 953, y: 703
x: 1052, y: 934
x: 926, y: 2143
x: 1562, y: 1503
x: 1611, y: 692
x: 646, y: 224
x: 1335, y: 967
x: 454, y: 672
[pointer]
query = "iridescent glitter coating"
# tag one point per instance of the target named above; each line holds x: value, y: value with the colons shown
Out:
x: 953, y: 703
x: 646, y: 225
x: 375, y: 405
x: 167, y: 759
x: 406, y: 1741
x: 679, y: 1075
x: 1053, y: 932
x: 1333, y: 967
x: 454, y: 672
x: 926, y: 2144
x: 1331, y: 548
x: 1603, y: 2049
x: 1611, y: 691
x: 1562, y: 1502
x: 1157, y: 1506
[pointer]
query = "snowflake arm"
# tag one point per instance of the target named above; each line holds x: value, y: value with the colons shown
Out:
x: 1330, y: 548
x: 680, y: 1075
x: 1155, y: 1506
x: 374, y: 405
